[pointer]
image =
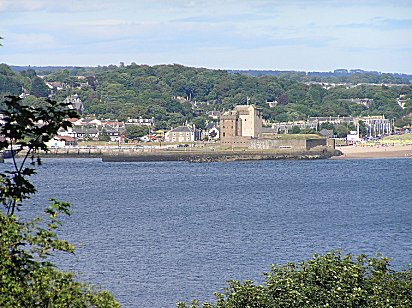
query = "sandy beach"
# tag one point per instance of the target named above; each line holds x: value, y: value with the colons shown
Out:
x: 391, y: 151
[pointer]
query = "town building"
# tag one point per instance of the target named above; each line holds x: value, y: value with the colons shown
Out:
x: 402, y: 101
x: 113, y: 133
x: 84, y: 133
x: 61, y: 142
x: 141, y: 122
x: 272, y: 104
x: 214, y: 114
x: 181, y: 134
x: 367, y: 102
x: 114, y: 124
x: 375, y: 125
x: 212, y: 132
x: 240, y: 125
x: 75, y: 103
x: 88, y: 123
x: 353, y: 136
x: 160, y: 134
x: 55, y: 86
x: 285, y: 127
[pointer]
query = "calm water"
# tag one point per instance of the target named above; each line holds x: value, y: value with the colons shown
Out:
x: 157, y: 233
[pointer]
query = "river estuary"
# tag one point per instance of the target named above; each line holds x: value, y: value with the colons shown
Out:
x: 156, y: 233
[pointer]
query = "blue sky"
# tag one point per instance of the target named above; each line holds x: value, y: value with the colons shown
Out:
x: 307, y: 35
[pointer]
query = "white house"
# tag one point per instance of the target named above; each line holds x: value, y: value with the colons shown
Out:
x: 353, y: 137
x: 181, y: 134
x: 114, y: 134
x: 61, y: 142
x: 141, y: 122
x: 212, y: 132
x: 56, y: 142
x: 69, y: 132
x: 86, y: 133
x: 75, y: 103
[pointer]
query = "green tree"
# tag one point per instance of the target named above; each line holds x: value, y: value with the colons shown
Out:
x: 104, y: 136
x: 330, y: 280
x: 134, y: 91
x: 38, y: 87
x: 363, y: 130
x: 341, y: 130
x: 27, y: 278
x: 200, y: 122
x: 29, y: 73
x: 295, y: 130
x: 136, y: 131
x: 404, y: 122
x: 327, y: 125
x: 308, y: 131
x: 10, y: 83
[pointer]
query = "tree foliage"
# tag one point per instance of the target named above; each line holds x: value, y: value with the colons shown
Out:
x: 27, y: 278
x: 330, y: 280
x: 136, y: 131
x: 26, y: 129
x: 38, y: 87
x: 10, y: 82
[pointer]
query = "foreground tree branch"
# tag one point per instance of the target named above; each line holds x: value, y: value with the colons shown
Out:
x: 27, y: 278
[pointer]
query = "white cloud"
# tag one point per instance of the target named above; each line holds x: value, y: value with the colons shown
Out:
x: 13, y: 6
x: 29, y: 6
x: 33, y: 42
x: 217, y: 33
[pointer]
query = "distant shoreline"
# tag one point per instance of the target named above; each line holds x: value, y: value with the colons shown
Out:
x: 344, y: 152
x: 359, y: 152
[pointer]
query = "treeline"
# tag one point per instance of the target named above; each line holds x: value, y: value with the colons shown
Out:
x: 337, y: 76
x: 173, y: 94
x: 12, y: 83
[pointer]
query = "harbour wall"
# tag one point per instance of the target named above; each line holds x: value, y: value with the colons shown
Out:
x: 149, y: 155
x: 298, y: 145
x: 221, y: 156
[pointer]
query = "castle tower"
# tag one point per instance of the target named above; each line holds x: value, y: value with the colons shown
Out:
x: 240, y: 125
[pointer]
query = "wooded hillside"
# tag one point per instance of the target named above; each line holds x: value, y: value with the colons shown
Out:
x: 173, y: 94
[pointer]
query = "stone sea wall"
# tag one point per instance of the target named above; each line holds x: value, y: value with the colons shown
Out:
x: 190, y: 155
x: 221, y: 156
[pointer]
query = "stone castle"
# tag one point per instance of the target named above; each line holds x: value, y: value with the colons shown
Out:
x: 240, y: 125
x: 242, y: 128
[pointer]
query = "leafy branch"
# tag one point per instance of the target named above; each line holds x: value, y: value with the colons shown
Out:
x: 26, y: 130
x: 27, y: 278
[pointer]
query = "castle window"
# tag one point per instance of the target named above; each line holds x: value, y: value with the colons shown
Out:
x: 224, y: 134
